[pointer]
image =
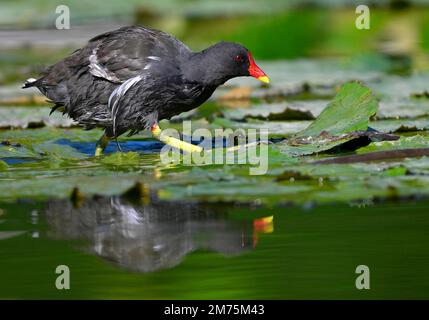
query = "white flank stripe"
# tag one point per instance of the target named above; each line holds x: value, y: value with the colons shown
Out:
x: 117, y: 94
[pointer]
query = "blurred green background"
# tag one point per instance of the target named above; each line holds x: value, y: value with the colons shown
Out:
x: 273, y: 29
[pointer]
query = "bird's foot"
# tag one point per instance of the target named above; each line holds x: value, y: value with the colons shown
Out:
x: 101, y: 145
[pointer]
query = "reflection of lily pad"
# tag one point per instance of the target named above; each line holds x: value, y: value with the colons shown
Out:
x: 10, y: 234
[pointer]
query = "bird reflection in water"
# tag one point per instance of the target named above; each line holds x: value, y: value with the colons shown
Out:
x: 146, y: 237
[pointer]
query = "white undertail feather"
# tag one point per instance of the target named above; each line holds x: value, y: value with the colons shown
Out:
x: 28, y: 82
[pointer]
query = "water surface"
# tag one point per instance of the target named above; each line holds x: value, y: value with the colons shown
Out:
x: 180, y: 250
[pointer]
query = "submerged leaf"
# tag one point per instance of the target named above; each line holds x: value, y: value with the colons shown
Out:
x: 121, y: 158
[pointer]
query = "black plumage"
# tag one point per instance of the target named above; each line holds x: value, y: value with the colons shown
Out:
x: 130, y: 78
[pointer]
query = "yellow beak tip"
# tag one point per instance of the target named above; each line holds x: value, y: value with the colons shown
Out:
x: 264, y: 79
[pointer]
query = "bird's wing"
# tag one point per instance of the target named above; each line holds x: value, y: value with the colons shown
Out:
x: 124, y: 53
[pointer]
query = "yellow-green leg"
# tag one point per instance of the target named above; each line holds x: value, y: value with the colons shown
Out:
x: 176, y: 143
x: 101, y: 145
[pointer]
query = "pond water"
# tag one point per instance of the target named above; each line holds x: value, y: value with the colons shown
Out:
x: 116, y: 248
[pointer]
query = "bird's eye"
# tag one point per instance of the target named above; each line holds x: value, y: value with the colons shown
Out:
x: 238, y: 58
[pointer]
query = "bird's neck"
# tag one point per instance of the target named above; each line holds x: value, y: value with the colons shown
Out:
x: 201, y: 67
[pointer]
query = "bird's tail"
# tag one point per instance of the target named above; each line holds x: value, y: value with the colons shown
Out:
x: 30, y: 82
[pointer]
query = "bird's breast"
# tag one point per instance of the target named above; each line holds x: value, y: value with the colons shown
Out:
x: 190, y: 96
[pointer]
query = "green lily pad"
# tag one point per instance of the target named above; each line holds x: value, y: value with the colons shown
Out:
x: 343, y: 121
x: 325, y: 142
x: 61, y: 157
x: 400, y: 125
x: 32, y: 117
x: 307, y: 110
x: 55, y: 150
x: 350, y: 111
x: 3, y: 165
x: 395, y: 171
x: 17, y: 151
x: 121, y: 158
x: 417, y: 166
x: 403, y: 108
x: 418, y: 141
x: 281, y: 128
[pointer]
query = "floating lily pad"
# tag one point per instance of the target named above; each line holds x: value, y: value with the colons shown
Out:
x: 315, y: 74
x: 418, y: 141
x: 402, y: 109
x: 50, y: 162
x: 402, y: 125
x: 343, y: 123
x: 32, y: 117
x: 395, y: 87
x: 350, y: 111
x: 121, y: 158
x: 325, y: 142
x: 281, y: 128
x: 16, y: 151
x: 56, y: 150
x: 308, y: 110
x: 3, y: 165
x: 417, y: 166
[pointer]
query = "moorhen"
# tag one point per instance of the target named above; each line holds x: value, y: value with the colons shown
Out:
x: 131, y: 78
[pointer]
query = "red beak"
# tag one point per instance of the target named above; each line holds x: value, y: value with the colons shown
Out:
x: 255, y: 71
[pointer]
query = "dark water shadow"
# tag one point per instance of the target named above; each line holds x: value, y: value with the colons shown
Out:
x: 150, y: 146
x: 150, y: 237
x: 11, y: 161
x: 88, y: 148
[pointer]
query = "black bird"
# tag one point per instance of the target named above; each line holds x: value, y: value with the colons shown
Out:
x: 131, y: 78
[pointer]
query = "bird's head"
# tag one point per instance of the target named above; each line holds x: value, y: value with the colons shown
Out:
x: 227, y: 60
